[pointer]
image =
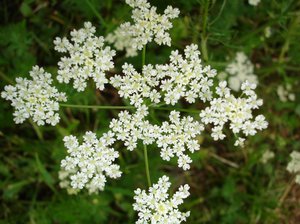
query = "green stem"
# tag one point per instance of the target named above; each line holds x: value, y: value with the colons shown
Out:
x: 97, y: 107
x: 97, y: 14
x: 144, y: 56
x: 147, y: 166
x: 204, y: 31
x: 37, y: 130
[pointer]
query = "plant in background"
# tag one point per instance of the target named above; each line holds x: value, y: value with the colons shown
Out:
x: 184, y: 77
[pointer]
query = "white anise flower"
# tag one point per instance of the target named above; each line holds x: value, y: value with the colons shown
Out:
x: 88, y: 58
x: 129, y: 128
x: 157, y: 207
x: 294, y: 165
x: 254, y: 2
x: 122, y: 41
x: 240, y: 70
x: 226, y: 108
x: 268, y: 154
x: 184, y: 77
x: 35, y: 98
x: 178, y: 136
x: 90, y: 163
x: 147, y: 26
x: 285, y: 93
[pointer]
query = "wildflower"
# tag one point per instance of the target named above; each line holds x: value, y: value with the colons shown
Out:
x: 88, y: 164
x: 156, y: 206
x: 237, y: 111
x: 178, y: 136
x: 240, y: 142
x: 36, y: 98
x: 147, y: 26
x: 184, y: 77
x: 294, y: 165
x: 88, y: 58
x: 254, y: 2
x: 268, y: 154
x: 285, y: 93
x: 240, y: 70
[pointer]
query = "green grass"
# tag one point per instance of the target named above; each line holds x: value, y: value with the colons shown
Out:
x: 228, y: 185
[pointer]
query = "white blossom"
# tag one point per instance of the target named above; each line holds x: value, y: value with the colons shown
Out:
x: 88, y: 164
x: 157, y: 207
x: 294, y: 165
x: 147, y: 26
x: 240, y: 70
x: 184, y: 77
x: 35, y: 98
x: 285, y: 93
x: 254, y: 2
x: 268, y: 154
x: 88, y: 58
x: 226, y: 108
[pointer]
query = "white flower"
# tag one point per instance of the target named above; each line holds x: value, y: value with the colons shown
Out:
x: 254, y: 2
x: 88, y: 164
x: 147, y: 26
x: 157, y: 207
x: 178, y: 136
x: 236, y: 111
x: 88, y: 58
x: 268, y: 154
x: 36, y: 98
x: 240, y: 142
x: 285, y: 93
x: 294, y: 165
x: 184, y: 77
x: 240, y: 70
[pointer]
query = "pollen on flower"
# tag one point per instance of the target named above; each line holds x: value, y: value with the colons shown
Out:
x: 35, y: 98
x: 87, y: 165
x: 88, y: 58
x: 157, y: 206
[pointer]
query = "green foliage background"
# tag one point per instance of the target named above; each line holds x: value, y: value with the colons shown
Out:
x: 228, y: 185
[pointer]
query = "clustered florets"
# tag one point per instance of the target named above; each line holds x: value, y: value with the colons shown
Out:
x: 294, y: 165
x: 147, y: 26
x: 157, y: 207
x: 36, y: 98
x: 181, y: 78
x: 240, y: 70
x: 237, y: 111
x: 88, y: 58
x: 88, y: 164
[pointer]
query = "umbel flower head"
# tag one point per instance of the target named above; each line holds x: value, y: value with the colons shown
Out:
x: 36, y: 98
x: 240, y: 70
x: 88, y: 58
x: 184, y: 77
x: 147, y: 26
x: 294, y: 165
x: 88, y: 164
x: 157, y: 207
x: 236, y: 111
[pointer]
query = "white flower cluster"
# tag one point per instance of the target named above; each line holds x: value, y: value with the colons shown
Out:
x: 147, y: 26
x: 157, y: 207
x: 254, y: 2
x: 240, y: 70
x: 122, y: 41
x: 88, y: 164
x: 181, y: 78
x: 268, y: 155
x: 294, y: 165
x: 236, y: 111
x: 36, y: 98
x: 178, y: 136
x: 88, y: 58
x: 129, y: 128
x: 285, y: 93
x: 174, y: 137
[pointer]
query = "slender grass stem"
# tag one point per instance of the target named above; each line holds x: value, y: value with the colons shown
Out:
x: 204, y: 30
x: 147, y: 166
x: 37, y: 130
